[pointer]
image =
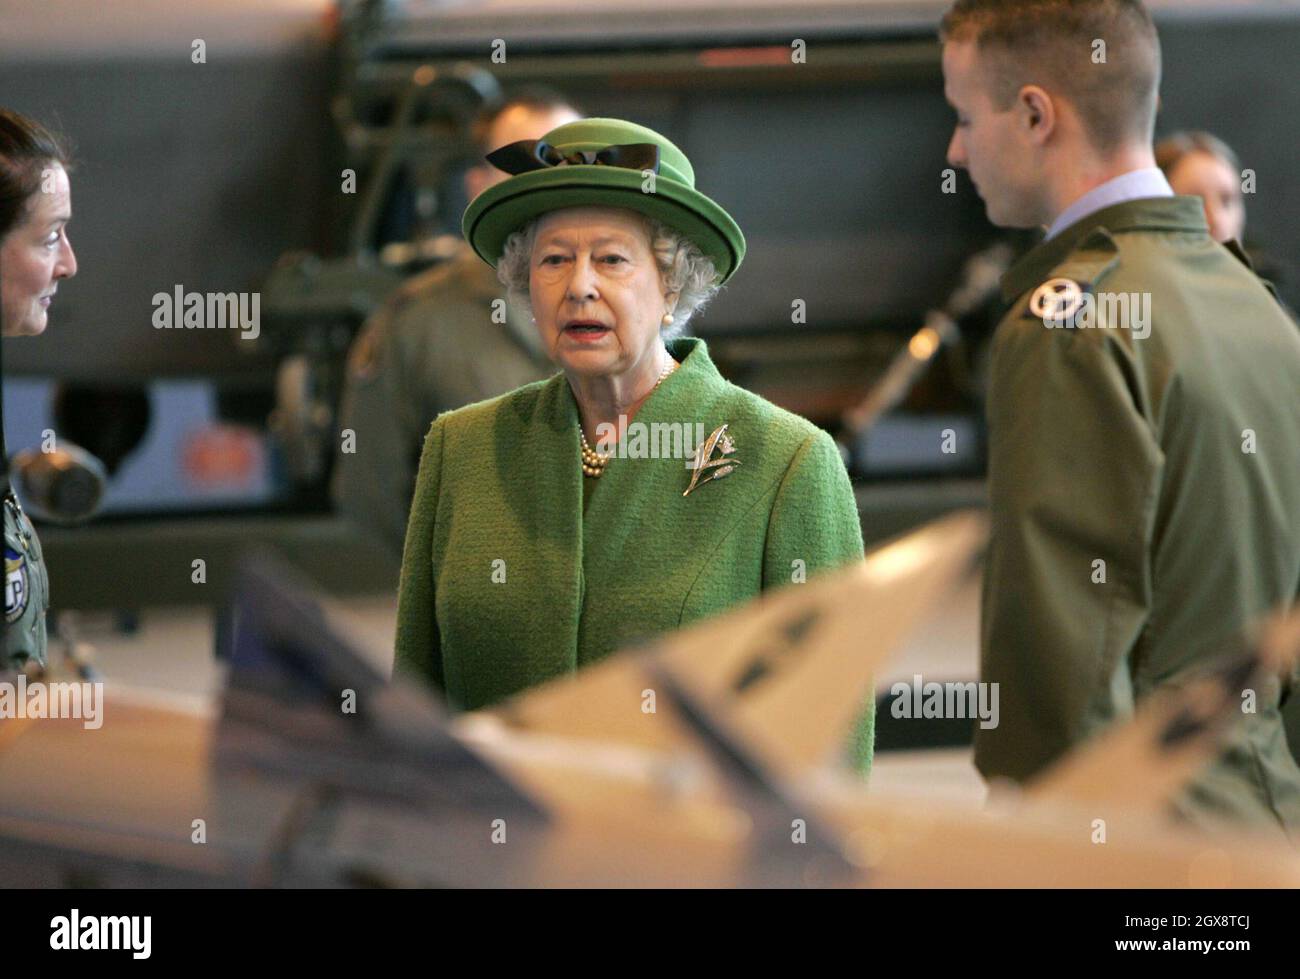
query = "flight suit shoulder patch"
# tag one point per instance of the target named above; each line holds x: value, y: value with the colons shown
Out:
x: 18, y: 590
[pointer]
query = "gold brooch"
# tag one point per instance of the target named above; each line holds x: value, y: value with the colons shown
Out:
x: 718, y: 467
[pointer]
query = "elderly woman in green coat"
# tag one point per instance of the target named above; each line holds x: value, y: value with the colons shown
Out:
x: 634, y: 492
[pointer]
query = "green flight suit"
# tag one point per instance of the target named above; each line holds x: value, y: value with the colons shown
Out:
x: 27, y: 589
x: 1174, y: 458
x: 437, y: 345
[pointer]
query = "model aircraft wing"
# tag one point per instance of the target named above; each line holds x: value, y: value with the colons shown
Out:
x: 302, y: 703
x: 795, y: 666
x: 1138, y: 767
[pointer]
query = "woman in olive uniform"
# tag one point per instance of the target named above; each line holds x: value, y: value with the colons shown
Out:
x: 35, y: 255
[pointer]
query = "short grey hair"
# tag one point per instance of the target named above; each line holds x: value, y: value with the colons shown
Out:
x: 684, y: 269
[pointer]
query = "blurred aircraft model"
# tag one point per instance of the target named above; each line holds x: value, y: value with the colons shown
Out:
x: 709, y: 757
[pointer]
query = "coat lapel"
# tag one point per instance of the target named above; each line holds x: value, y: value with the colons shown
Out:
x: 529, y: 632
x: 644, y: 543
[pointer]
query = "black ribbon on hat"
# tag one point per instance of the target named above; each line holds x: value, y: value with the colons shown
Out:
x: 537, y: 154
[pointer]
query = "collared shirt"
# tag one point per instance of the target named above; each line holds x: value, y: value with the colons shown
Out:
x: 1131, y: 186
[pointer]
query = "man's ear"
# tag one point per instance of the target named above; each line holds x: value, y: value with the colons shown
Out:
x: 1037, y: 112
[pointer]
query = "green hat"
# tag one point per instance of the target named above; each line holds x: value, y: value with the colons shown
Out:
x: 600, y: 162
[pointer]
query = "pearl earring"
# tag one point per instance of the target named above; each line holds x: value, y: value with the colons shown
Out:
x: 668, y: 318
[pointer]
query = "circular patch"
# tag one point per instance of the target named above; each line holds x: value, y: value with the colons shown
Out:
x: 17, y: 590
x: 1056, y: 300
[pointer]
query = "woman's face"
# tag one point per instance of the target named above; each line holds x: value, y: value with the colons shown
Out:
x: 35, y: 255
x: 1200, y: 174
x: 595, y: 288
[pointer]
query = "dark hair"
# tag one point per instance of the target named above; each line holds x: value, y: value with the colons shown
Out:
x: 26, y: 149
x: 1171, y: 149
x: 535, y: 98
x: 1051, y: 42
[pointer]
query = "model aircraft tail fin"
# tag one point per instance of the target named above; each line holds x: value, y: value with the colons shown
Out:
x: 795, y: 667
x: 302, y: 703
x: 1138, y: 767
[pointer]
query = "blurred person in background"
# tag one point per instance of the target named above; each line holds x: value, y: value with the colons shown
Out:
x: 437, y: 344
x: 1199, y: 164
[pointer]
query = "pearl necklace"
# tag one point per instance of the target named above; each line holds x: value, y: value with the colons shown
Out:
x: 593, y: 463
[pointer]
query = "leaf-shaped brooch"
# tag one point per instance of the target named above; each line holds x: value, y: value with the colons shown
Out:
x: 706, y: 468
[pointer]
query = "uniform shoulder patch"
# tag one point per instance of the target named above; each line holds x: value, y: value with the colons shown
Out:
x: 18, y: 590
x: 1057, y: 300
x: 1079, y: 273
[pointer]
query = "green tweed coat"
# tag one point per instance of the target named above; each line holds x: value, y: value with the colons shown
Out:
x: 515, y: 572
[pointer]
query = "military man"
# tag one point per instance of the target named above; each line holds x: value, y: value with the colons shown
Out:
x: 445, y: 340
x: 1143, y: 423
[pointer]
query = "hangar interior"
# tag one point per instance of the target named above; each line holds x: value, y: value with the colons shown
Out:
x: 227, y: 179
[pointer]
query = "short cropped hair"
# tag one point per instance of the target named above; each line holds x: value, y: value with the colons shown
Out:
x: 684, y: 269
x: 1052, y: 43
x: 1171, y: 150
